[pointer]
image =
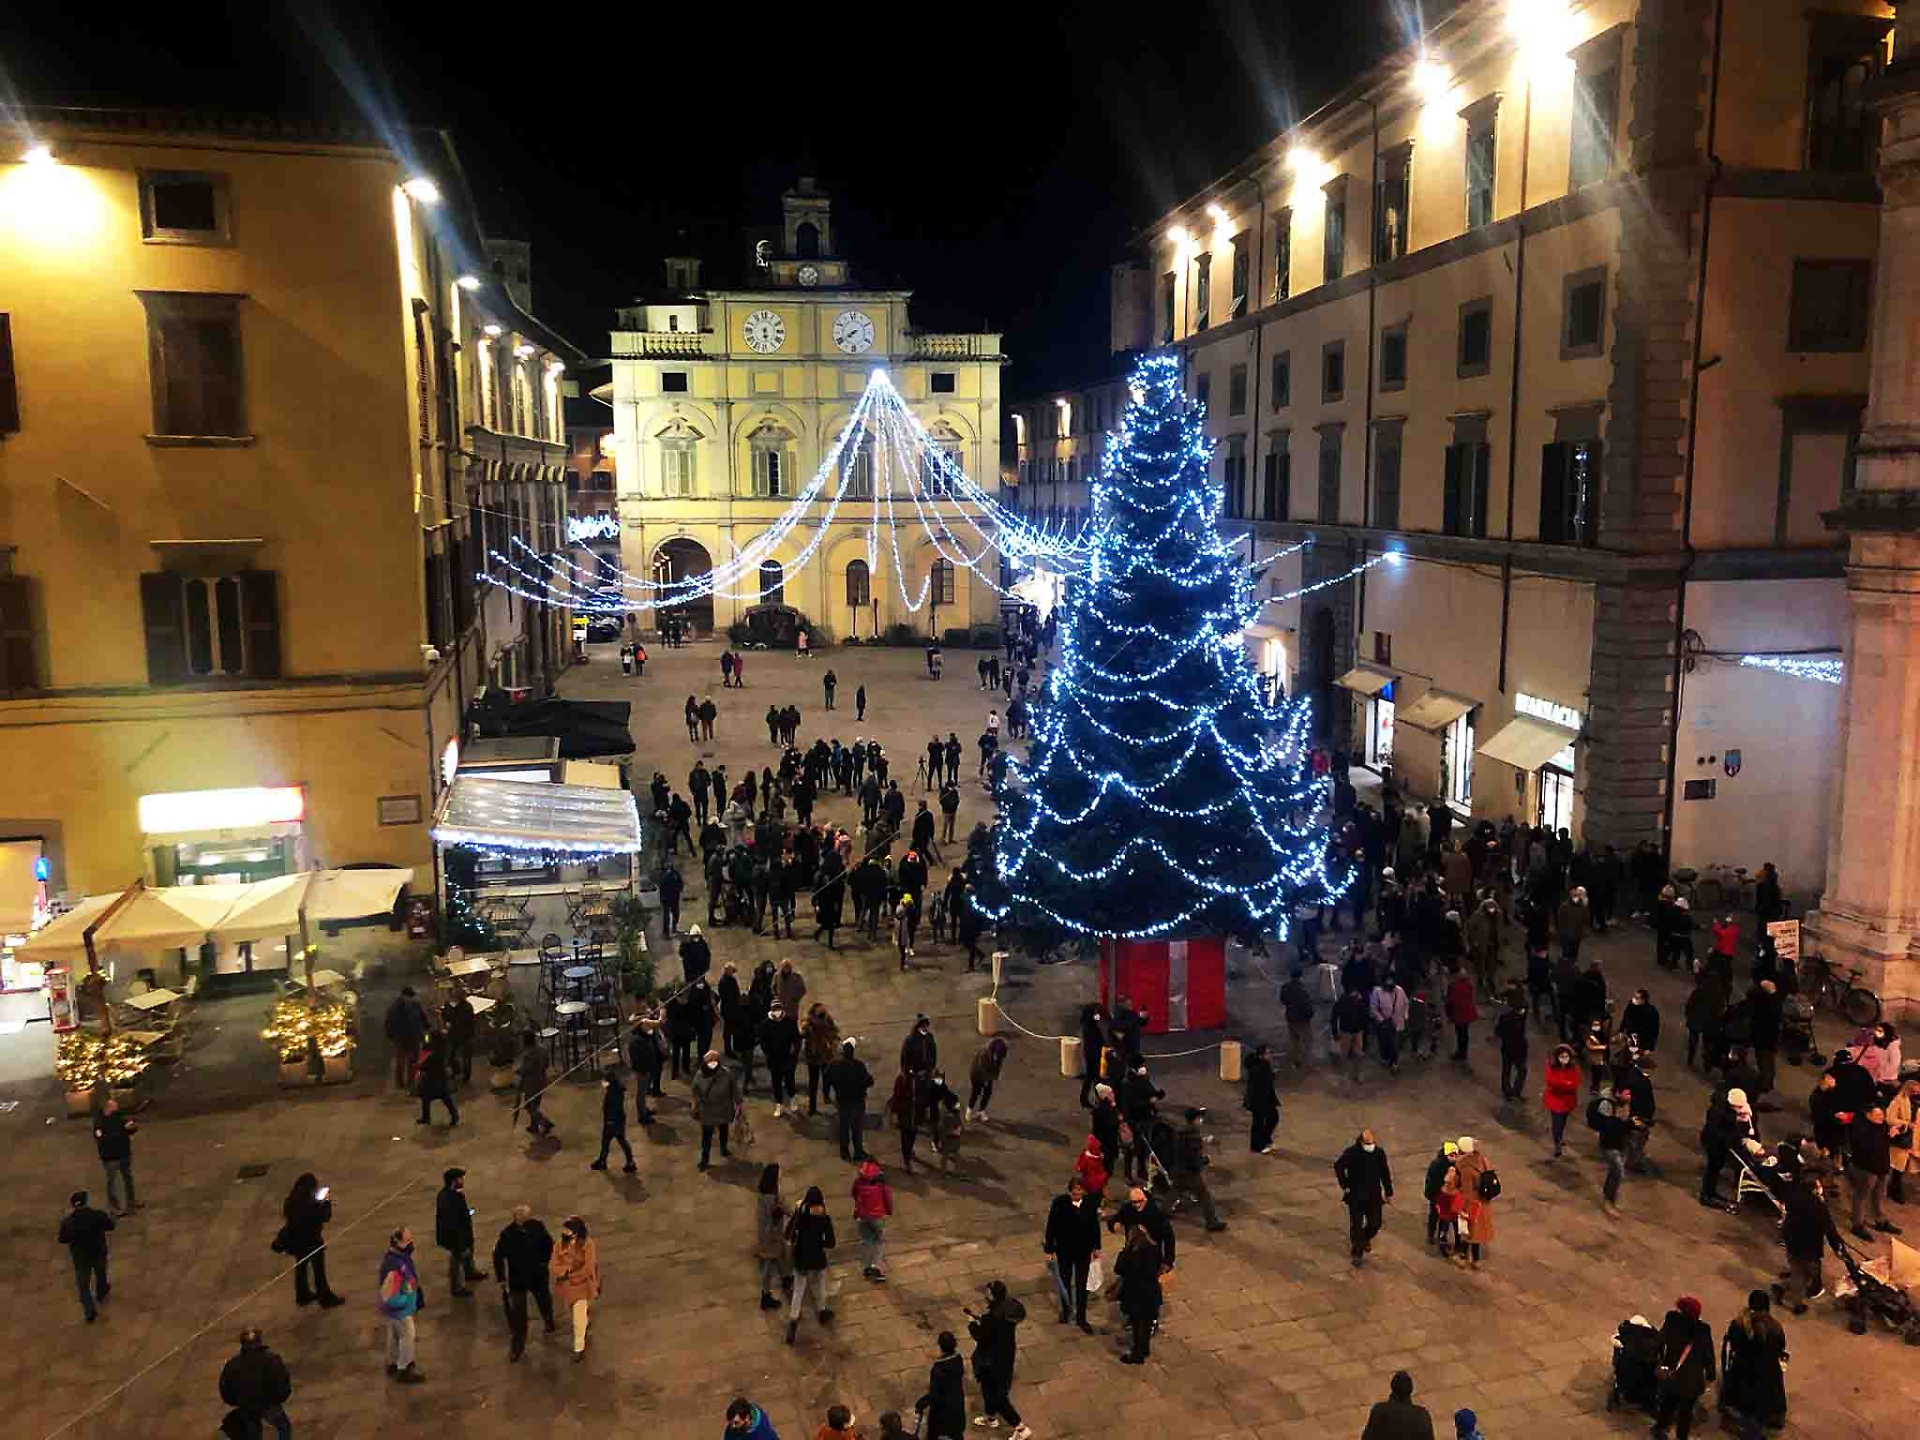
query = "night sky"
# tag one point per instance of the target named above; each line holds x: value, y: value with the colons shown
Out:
x: 995, y: 158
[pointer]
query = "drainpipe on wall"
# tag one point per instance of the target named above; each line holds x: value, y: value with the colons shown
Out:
x: 1693, y: 424
x: 1366, y: 428
x: 1513, y: 393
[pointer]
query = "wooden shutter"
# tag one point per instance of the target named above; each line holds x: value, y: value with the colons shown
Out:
x: 9, y: 389
x: 17, y: 670
x: 462, y: 585
x: 260, y: 614
x: 1450, y: 492
x: 1482, y: 469
x: 1555, y: 461
x: 163, y: 611
x: 1386, y: 490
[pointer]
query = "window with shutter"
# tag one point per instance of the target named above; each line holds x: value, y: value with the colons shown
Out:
x: 193, y: 348
x: 1386, y: 479
x: 9, y: 387
x: 260, y: 614
x: 17, y: 670
x: 163, y: 613
x: 1464, y: 497
x: 1569, y: 492
x: 1275, y: 501
x: 1329, y: 499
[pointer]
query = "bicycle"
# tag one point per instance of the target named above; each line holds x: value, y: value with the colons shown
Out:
x: 1726, y: 886
x: 1842, y: 993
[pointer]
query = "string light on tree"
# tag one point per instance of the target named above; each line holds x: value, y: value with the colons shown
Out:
x: 1165, y: 795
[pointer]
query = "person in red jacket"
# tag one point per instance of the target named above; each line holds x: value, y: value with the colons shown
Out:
x: 1562, y: 1093
x: 872, y: 1207
x: 1091, y: 1167
x: 1461, y: 1011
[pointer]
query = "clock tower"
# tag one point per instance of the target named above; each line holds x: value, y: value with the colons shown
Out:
x: 729, y: 404
x: 808, y: 259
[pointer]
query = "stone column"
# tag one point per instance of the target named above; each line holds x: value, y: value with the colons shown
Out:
x: 1869, y: 915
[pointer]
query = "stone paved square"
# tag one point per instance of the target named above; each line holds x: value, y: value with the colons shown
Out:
x: 1269, y: 1331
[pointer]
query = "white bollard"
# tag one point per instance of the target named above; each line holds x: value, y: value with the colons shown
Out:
x: 989, y: 1015
x: 1070, y: 1057
x: 999, y: 960
x: 1229, y: 1059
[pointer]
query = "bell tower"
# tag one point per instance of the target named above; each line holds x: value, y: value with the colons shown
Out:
x: 807, y: 257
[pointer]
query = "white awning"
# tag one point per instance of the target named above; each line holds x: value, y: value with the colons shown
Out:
x: 583, y: 819
x: 1526, y: 743
x: 268, y: 908
x: 1435, y: 710
x: 1366, y: 680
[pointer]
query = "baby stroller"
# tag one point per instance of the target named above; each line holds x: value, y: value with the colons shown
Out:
x: 1161, y: 1143
x: 1872, y: 1291
x: 1796, y: 1031
x: 1636, y: 1365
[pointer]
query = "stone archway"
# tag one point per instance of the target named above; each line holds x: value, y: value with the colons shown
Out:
x: 684, y: 558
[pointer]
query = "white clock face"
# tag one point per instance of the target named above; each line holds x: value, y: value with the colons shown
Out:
x: 764, y: 332
x: 853, y: 332
x: 809, y: 275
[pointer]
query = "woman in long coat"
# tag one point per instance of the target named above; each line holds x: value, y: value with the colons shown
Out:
x: 1752, y: 1352
x: 1476, y: 1213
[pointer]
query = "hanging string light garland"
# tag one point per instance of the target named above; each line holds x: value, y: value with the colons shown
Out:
x: 1828, y: 670
x: 905, y: 465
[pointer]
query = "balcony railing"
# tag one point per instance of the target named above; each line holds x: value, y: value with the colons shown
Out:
x: 661, y: 344
x: 953, y: 347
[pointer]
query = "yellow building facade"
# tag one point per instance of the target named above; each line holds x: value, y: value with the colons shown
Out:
x: 267, y: 409
x: 1568, y: 304
x: 727, y: 401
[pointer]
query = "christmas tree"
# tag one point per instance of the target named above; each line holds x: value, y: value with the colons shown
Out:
x: 1163, y: 797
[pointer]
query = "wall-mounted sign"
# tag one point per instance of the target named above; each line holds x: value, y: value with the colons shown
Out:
x: 1731, y: 762
x: 400, y: 809
x: 1547, y: 710
x: 591, y: 527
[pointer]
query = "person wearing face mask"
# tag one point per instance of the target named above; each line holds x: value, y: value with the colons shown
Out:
x: 1366, y: 1183
x: 400, y: 1299
x: 717, y: 1097
x: 1729, y: 1123
x: 575, y: 1270
x: 1562, y: 1093
x: 1879, y: 1054
x: 994, y: 1349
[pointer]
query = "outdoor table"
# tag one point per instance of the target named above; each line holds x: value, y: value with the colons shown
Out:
x: 479, y: 1004
x: 322, y: 979
x: 152, y: 1000
x: 145, y: 1038
x: 566, y: 1010
x: 473, y: 965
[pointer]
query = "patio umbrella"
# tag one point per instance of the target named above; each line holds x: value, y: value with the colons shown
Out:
x: 173, y: 917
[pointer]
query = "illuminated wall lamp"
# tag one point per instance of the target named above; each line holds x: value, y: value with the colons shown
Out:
x: 40, y: 155
x: 521, y: 352
x: 492, y: 332
x: 468, y: 282
x: 1300, y: 158
x: 422, y: 189
x: 1218, y: 213
x: 1430, y: 81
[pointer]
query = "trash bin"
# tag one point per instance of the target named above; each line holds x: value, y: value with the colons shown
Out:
x: 1229, y: 1059
x: 989, y: 1015
x: 1070, y: 1057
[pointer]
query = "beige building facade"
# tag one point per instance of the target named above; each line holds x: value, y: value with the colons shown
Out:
x: 726, y: 403
x: 249, y: 466
x: 1568, y: 306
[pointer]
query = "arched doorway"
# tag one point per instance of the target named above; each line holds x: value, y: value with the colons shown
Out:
x: 683, y: 558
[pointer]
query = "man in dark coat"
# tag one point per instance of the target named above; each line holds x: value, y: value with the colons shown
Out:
x: 406, y: 1028
x: 994, y: 1348
x: 436, y: 1083
x: 847, y: 1083
x: 113, y: 1141
x: 1366, y: 1183
x: 453, y: 1231
x: 944, y: 1406
x: 256, y: 1384
x: 613, y: 1122
x: 1397, y: 1417
x: 520, y: 1259
x: 1142, y: 1209
x: 1262, y: 1101
x: 458, y: 1021
x: 920, y: 1052
x: 646, y: 1059
x: 83, y: 1230
x: 1072, y: 1240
